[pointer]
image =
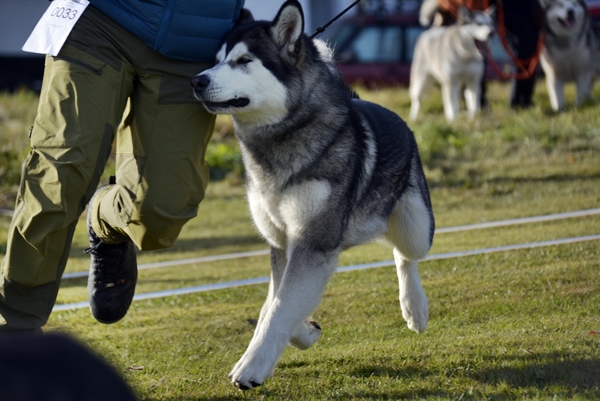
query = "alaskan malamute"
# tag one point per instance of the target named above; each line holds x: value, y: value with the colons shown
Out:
x: 324, y: 172
x: 571, y: 52
x: 450, y: 55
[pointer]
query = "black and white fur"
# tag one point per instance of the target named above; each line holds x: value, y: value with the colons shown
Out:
x: 571, y: 51
x: 324, y: 172
x: 450, y: 55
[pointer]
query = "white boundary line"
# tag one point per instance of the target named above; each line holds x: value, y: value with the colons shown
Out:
x: 180, y: 262
x: 522, y: 220
x: 262, y: 280
x: 491, y: 224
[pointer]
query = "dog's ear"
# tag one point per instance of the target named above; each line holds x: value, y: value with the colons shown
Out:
x: 245, y: 16
x: 288, y: 26
x: 464, y: 15
x: 491, y: 10
x: 545, y: 3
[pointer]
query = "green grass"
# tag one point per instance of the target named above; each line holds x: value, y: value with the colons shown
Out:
x: 502, y: 326
x: 510, y: 325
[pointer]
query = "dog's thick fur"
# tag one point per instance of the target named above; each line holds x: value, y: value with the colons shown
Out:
x: 324, y: 172
x: 450, y: 56
x: 571, y: 51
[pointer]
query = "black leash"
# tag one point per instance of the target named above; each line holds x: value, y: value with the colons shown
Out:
x: 321, y: 29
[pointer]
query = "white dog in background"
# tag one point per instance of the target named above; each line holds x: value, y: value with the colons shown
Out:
x: 450, y: 55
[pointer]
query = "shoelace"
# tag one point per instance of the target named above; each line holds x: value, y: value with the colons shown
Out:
x: 108, y: 276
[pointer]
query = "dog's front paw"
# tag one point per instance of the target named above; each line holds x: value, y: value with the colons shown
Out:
x: 251, y: 370
x: 415, y: 310
x: 245, y: 386
x: 306, y: 334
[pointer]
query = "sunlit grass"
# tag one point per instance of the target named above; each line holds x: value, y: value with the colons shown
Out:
x: 509, y: 325
x: 504, y: 326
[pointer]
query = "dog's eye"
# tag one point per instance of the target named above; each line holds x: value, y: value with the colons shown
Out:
x: 244, y: 60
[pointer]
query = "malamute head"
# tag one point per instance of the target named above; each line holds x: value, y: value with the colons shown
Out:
x: 262, y: 68
x: 479, y: 24
x: 564, y: 18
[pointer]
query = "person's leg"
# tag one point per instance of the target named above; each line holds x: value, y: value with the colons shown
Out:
x: 523, y: 33
x: 160, y: 158
x: 524, y: 92
x: 83, y: 96
x: 483, y: 101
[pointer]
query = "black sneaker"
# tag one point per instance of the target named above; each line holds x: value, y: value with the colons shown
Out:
x: 112, y: 278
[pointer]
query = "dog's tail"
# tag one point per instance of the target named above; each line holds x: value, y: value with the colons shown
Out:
x: 427, y: 12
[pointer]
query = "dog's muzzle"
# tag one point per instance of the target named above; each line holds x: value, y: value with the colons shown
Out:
x: 570, y: 21
x: 201, y: 82
x: 483, y: 45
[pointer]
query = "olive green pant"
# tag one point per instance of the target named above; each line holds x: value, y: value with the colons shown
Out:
x: 105, y: 86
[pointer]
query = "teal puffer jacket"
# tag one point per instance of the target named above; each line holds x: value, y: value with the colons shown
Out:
x: 189, y: 30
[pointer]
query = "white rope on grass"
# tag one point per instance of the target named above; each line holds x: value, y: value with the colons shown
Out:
x: 181, y: 262
x: 478, y: 226
x: 263, y: 280
x: 522, y: 220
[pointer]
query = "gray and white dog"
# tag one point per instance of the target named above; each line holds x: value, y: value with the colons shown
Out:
x: 451, y: 56
x: 324, y: 172
x: 571, y: 51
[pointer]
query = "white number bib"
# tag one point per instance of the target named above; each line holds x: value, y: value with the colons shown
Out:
x: 52, y: 29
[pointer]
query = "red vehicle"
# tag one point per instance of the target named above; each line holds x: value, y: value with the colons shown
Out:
x: 594, y: 8
x: 377, y: 50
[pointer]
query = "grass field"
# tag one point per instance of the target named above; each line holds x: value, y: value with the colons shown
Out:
x: 508, y: 325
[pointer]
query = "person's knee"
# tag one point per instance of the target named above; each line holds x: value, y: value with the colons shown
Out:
x: 158, y: 226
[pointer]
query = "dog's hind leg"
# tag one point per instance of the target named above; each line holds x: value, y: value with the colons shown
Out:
x: 450, y: 96
x: 307, y: 332
x: 415, y: 102
x: 278, y: 262
x: 418, y: 84
x: 413, y: 301
x: 410, y: 228
x: 584, y: 87
x: 472, y: 97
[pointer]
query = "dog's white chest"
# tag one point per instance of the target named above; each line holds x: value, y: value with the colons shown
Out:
x: 286, y: 214
x: 569, y: 62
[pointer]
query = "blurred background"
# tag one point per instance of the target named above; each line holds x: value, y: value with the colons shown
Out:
x: 18, y: 18
x: 374, y: 41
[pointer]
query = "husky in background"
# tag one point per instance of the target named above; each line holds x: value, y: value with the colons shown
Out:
x: 324, y: 172
x: 571, y: 52
x: 450, y: 55
x: 430, y: 14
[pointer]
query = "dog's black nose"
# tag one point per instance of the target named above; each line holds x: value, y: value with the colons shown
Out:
x: 200, y: 82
